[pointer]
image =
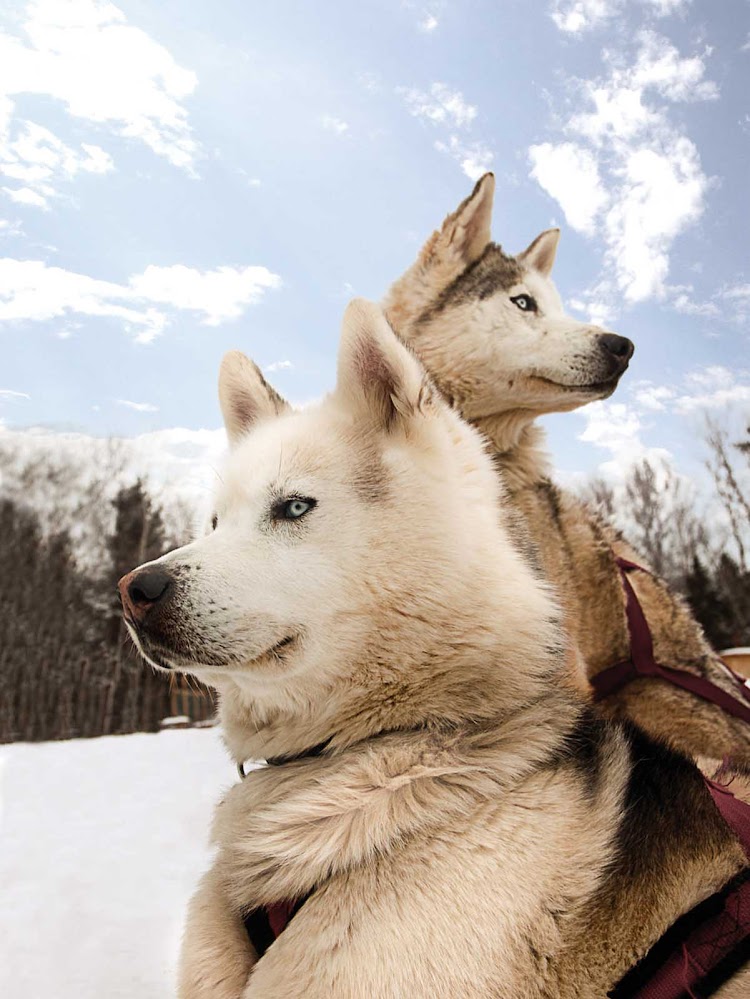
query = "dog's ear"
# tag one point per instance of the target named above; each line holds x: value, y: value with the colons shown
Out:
x: 378, y: 377
x: 460, y: 241
x: 540, y: 255
x: 466, y: 232
x: 245, y: 396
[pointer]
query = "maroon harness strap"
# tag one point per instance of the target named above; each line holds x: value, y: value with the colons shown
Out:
x: 715, y: 935
x: 267, y: 923
x: 710, y: 943
x: 643, y: 663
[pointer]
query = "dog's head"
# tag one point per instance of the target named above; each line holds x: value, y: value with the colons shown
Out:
x: 351, y: 541
x: 491, y: 329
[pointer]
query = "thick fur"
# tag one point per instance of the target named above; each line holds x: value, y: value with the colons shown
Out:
x: 472, y: 829
x: 502, y: 368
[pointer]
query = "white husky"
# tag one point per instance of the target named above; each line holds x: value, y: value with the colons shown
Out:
x: 441, y: 815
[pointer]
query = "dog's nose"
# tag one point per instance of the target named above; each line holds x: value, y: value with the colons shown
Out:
x: 143, y: 589
x: 618, y: 346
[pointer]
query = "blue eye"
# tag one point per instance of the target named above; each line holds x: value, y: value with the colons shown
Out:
x: 294, y: 508
x: 524, y: 302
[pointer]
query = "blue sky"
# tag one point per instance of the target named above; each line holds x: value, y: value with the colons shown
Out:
x: 181, y: 178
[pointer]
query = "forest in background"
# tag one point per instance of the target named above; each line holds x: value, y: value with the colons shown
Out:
x: 68, y: 668
x: 699, y: 543
x: 69, y: 529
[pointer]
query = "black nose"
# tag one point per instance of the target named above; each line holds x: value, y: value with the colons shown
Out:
x: 618, y: 346
x: 141, y: 590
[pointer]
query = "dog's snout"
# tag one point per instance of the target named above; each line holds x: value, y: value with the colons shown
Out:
x: 143, y: 589
x: 617, y: 346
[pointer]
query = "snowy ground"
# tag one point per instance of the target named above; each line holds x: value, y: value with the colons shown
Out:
x: 101, y: 843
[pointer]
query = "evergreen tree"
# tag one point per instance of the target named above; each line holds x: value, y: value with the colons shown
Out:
x: 709, y: 606
x: 139, y: 696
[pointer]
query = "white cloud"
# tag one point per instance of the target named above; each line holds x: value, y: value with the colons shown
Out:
x: 616, y: 427
x: 646, y: 184
x: 139, y: 407
x: 25, y: 196
x: 440, y: 105
x: 577, y: 16
x: 428, y: 23
x: 738, y: 299
x: 662, y: 8
x: 428, y: 14
x: 372, y: 82
x: 710, y: 387
x: 332, y: 124
x: 682, y: 301
x: 102, y: 70
x: 38, y: 158
x: 278, y: 366
x: 730, y: 304
x: 612, y: 425
x: 654, y: 397
x: 719, y: 398
x: 448, y: 110
x: 220, y: 294
x: 714, y: 376
x: 661, y: 193
x: 574, y: 16
x: 570, y: 175
x: 32, y: 290
x: 598, y: 303
x: 475, y: 157
x: 12, y: 394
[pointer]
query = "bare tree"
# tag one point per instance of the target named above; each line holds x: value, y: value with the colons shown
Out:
x: 730, y: 491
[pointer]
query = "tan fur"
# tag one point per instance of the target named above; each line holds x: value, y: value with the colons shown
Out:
x: 502, y: 370
x: 472, y: 829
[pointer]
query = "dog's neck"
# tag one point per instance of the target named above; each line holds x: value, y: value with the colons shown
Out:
x: 467, y: 669
x: 518, y: 443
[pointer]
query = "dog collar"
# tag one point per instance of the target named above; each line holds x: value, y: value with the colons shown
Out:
x: 320, y: 748
x: 279, y: 761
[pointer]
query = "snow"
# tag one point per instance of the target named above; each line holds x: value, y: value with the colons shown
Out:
x: 101, y: 844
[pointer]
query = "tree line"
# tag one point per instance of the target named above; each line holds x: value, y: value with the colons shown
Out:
x: 699, y: 544
x: 67, y: 666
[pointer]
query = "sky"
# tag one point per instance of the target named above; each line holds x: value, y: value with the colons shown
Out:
x: 182, y: 178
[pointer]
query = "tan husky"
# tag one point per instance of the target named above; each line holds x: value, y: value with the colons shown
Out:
x: 491, y: 331
x: 465, y: 826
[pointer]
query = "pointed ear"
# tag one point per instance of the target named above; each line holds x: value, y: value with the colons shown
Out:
x: 540, y: 255
x: 378, y: 377
x: 466, y: 232
x: 245, y: 396
x: 460, y: 241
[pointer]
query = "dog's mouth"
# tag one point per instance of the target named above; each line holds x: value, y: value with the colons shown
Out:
x: 168, y: 657
x: 605, y: 387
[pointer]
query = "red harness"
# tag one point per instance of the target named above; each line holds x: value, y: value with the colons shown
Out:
x: 708, y: 944
x: 642, y: 662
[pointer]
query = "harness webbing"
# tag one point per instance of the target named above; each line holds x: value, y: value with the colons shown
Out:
x: 265, y: 924
x: 701, y: 951
x: 642, y: 662
x: 708, y: 944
